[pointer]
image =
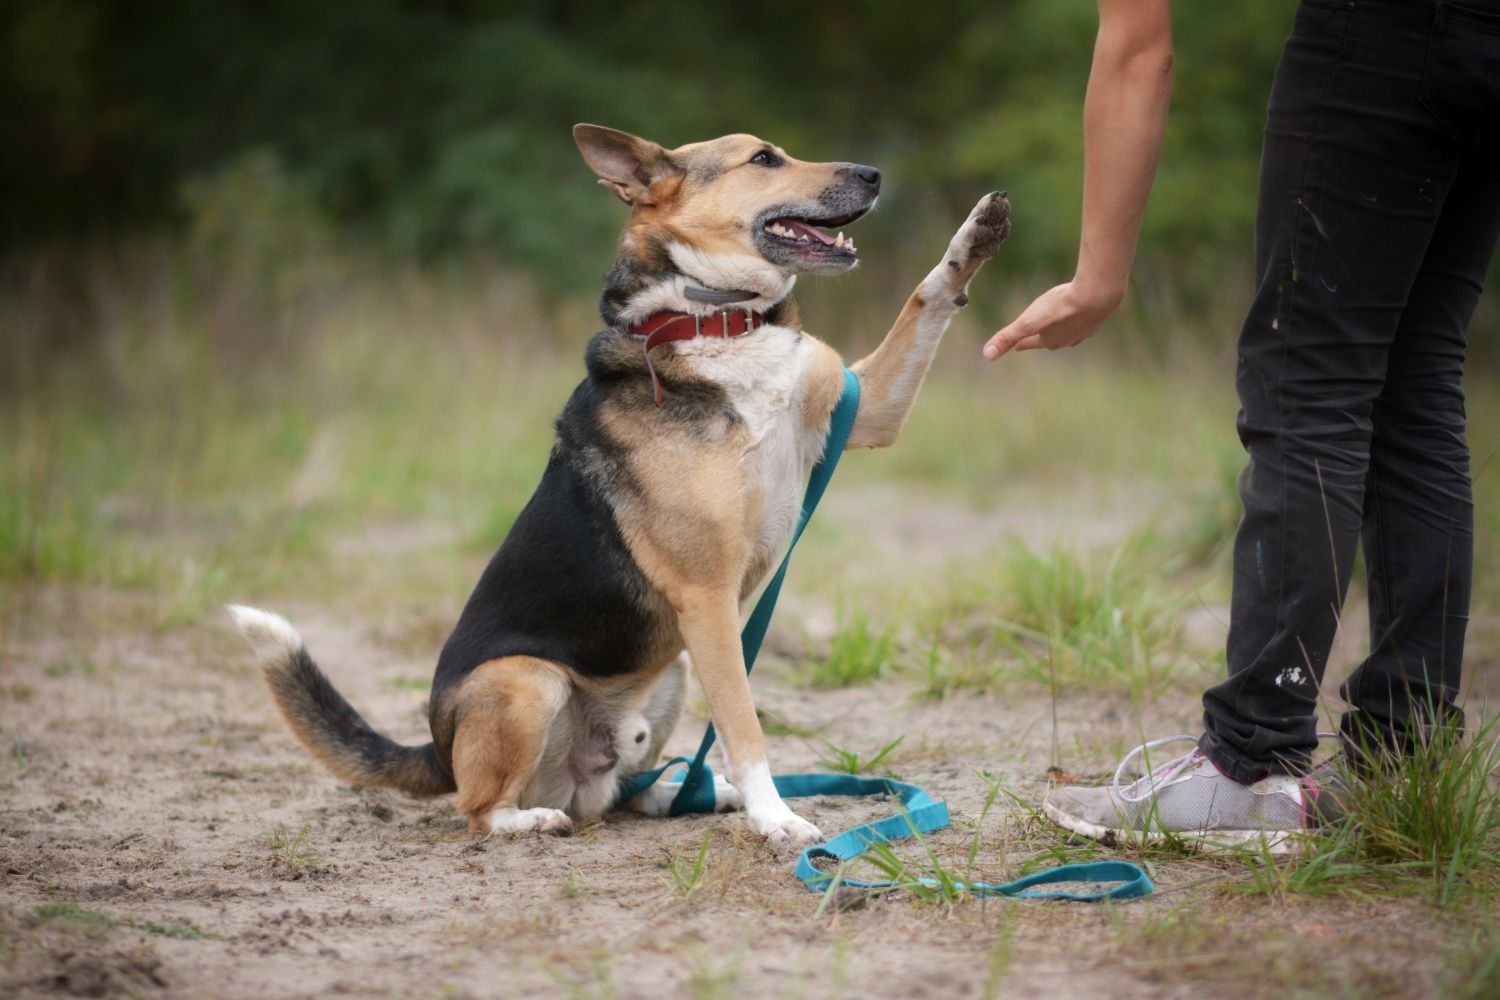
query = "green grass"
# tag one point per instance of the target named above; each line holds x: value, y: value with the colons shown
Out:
x: 1063, y: 619
x: 1064, y: 422
x: 713, y: 976
x: 774, y: 724
x: 180, y: 932
x: 1476, y: 966
x: 198, y: 465
x: 597, y: 983
x: 73, y: 913
x: 687, y: 870
x: 853, y: 762
x: 196, y: 447
x: 917, y: 866
x: 1427, y: 822
x: 292, y: 850
x: 859, y: 652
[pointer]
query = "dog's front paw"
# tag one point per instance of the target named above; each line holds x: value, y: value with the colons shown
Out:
x: 513, y: 820
x: 980, y: 236
x: 784, y: 827
x: 976, y: 241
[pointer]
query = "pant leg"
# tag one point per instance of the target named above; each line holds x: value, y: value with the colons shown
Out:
x: 1355, y: 174
x: 1419, y: 511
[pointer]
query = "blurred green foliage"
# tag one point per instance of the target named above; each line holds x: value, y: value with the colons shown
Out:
x: 428, y: 129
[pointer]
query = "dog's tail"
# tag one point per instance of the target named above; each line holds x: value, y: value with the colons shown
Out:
x: 327, y: 724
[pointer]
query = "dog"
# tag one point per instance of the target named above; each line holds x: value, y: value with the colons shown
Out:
x: 674, y: 483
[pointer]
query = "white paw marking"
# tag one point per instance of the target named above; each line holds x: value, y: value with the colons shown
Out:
x: 765, y: 811
x: 726, y: 796
x: 785, y: 828
x: 513, y: 820
x: 657, y: 800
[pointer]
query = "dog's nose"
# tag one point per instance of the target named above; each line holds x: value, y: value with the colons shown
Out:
x: 869, y: 175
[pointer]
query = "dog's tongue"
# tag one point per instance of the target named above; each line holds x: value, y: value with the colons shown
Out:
x: 802, y: 228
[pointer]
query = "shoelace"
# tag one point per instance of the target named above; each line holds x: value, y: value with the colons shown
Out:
x: 1160, y: 777
x: 1166, y: 774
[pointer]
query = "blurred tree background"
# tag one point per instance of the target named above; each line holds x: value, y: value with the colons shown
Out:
x: 429, y: 130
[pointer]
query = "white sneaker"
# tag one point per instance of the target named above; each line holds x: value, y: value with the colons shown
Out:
x: 1186, y: 799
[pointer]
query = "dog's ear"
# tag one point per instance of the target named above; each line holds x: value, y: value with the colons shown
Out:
x: 626, y: 165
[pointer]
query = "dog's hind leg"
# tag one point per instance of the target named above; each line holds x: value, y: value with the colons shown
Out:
x: 664, y: 707
x: 662, y: 711
x: 502, y: 713
x: 890, y: 377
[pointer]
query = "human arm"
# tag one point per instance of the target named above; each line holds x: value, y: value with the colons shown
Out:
x: 1124, y: 116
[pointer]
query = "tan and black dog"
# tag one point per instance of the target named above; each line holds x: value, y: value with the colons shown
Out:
x: 674, y: 484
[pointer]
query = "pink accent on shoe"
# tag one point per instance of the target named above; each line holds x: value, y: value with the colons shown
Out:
x: 1313, y: 790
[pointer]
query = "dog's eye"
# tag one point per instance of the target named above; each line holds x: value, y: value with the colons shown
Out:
x: 766, y: 158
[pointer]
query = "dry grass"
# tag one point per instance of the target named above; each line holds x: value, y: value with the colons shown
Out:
x: 354, y: 454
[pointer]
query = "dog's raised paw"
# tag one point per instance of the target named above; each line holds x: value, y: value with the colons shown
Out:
x: 987, y: 228
x: 976, y: 241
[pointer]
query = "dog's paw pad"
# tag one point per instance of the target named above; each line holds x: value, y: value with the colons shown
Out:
x: 985, y: 230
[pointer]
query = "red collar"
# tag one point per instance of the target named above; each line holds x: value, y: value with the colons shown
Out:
x: 666, y: 327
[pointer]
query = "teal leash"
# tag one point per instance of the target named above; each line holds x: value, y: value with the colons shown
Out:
x: 920, y: 813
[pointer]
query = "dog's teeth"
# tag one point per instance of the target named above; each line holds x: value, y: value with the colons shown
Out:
x: 839, y: 241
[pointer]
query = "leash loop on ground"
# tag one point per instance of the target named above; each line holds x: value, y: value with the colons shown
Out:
x: 920, y: 813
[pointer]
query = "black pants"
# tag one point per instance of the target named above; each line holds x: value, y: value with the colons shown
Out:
x: 1379, y: 210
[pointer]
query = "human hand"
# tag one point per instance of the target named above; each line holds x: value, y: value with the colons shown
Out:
x: 1063, y: 316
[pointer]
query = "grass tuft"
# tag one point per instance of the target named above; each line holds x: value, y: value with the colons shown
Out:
x: 1426, y: 821
x: 292, y: 850
x: 853, y: 762
x: 180, y: 932
x: 1060, y: 619
x: 859, y: 652
x: 687, y: 871
x: 74, y: 914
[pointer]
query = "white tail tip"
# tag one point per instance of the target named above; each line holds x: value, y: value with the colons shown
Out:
x: 270, y: 635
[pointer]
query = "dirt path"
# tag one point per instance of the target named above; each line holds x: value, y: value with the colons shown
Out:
x: 162, y: 835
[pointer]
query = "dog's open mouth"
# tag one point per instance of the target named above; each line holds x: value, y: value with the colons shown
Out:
x: 807, y: 234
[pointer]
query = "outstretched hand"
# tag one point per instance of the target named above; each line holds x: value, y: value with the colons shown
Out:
x: 1062, y: 316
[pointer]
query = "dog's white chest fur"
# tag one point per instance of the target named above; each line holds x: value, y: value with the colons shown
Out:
x: 763, y: 376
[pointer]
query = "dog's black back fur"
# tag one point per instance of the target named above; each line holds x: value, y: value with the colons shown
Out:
x: 562, y: 586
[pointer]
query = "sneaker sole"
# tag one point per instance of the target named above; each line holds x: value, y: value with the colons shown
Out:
x: 1278, y: 842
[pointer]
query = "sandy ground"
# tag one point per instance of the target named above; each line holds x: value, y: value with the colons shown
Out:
x: 162, y: 835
